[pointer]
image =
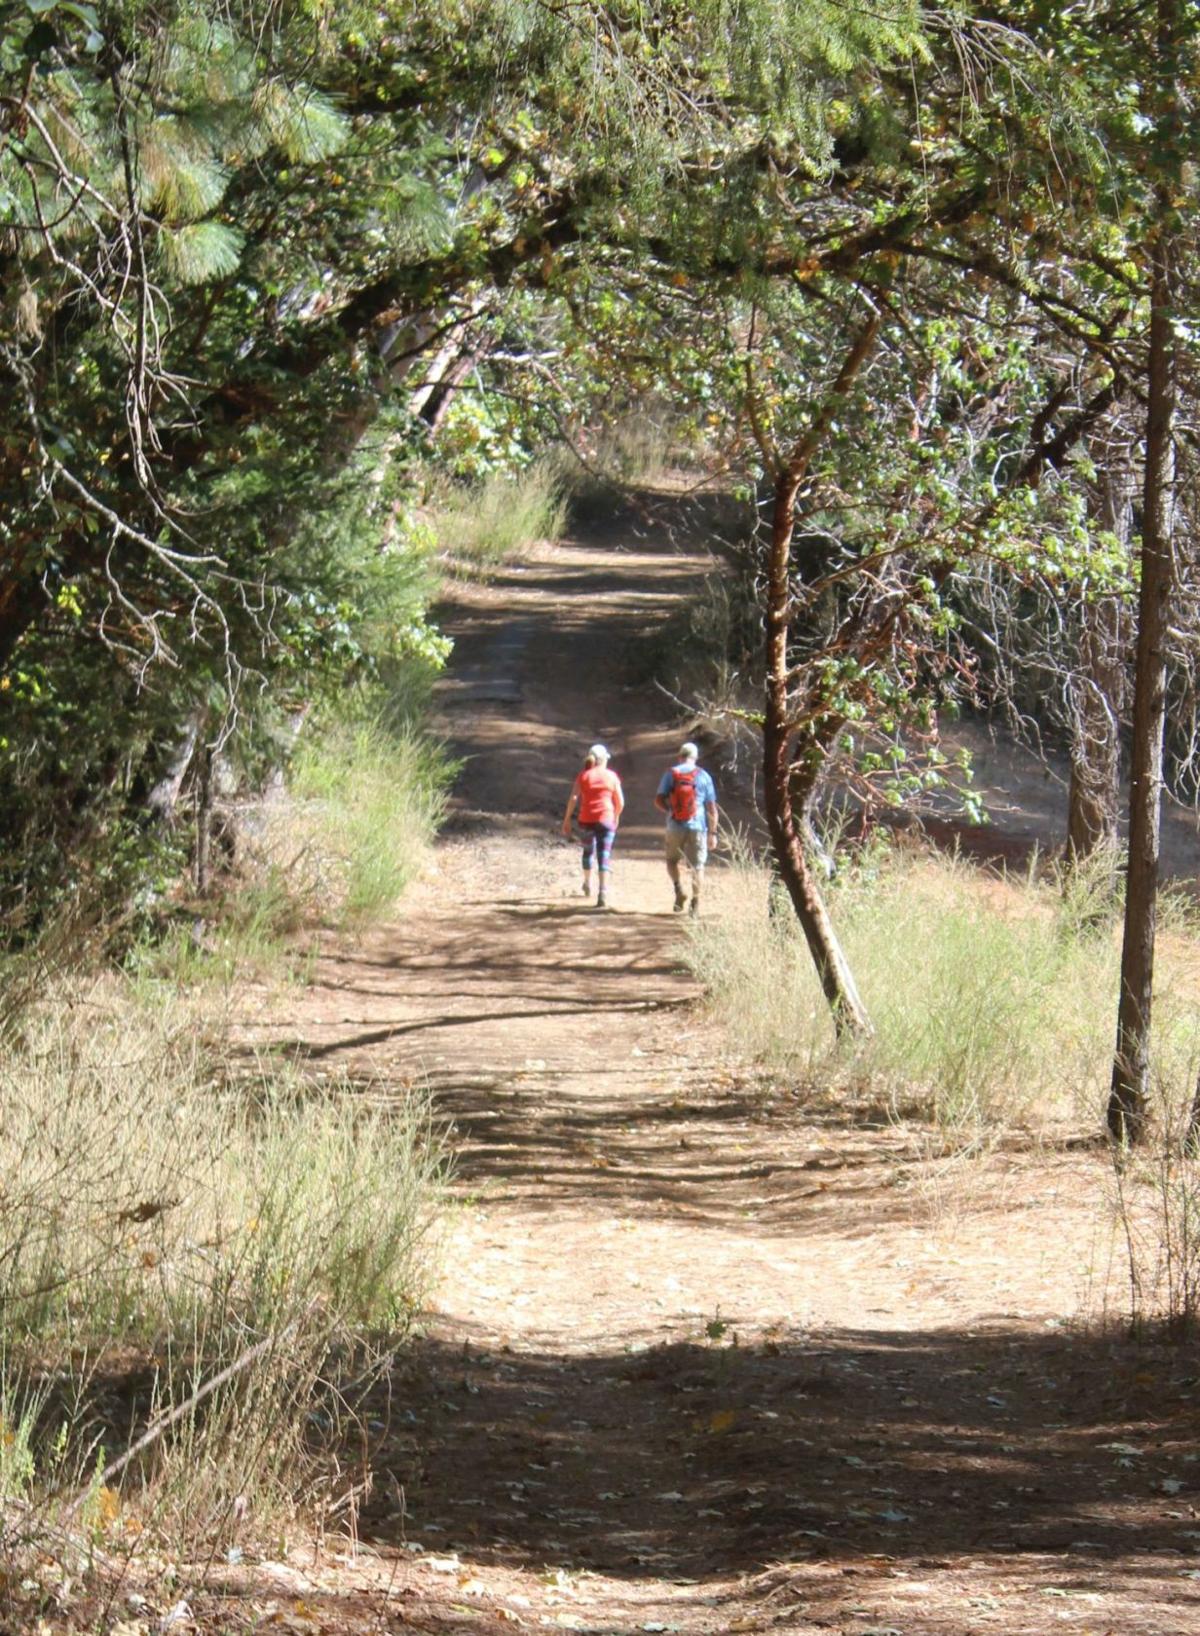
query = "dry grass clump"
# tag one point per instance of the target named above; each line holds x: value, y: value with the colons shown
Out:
x: 481, y: 526
x: 1155, y: 1199
x: 634, y: 449
x: 167, y: 1223
x: 993, y: 1000
x: 366, y: 802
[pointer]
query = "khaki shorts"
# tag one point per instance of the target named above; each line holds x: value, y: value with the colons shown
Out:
x: 687, y: 844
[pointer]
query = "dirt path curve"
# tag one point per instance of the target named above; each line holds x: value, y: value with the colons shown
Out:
x: 701, y: 1358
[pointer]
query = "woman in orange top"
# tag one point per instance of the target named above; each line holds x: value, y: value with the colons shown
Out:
x: 600, y: 800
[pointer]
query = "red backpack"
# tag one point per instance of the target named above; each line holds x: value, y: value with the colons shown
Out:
x: 683, y: 795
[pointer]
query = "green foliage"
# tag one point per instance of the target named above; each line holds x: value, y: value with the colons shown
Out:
x: 86, y: 740
x: 284, y: 198
x: 192, y: 533
x: 19, y: 1414
x: 481, y: 437
x: 263, y: 263
x: 202, y: 251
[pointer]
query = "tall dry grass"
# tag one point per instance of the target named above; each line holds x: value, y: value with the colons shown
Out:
x: 1154, y: 1197
x: 481, y: 526
x: 993, y: 1000
x: 632, y: 450
x: 366, y: 802
x: 994, y: 1005
x: 168, y: 1213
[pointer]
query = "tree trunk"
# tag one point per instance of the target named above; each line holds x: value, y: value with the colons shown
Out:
x: 779, y: 770
x: 837, y: 981
x: 1129, y: 1096
x: 441, y: 396
x: 164, y: 797
x: 795, y: 872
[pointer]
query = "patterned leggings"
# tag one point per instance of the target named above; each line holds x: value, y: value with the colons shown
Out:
x: 598, y: 844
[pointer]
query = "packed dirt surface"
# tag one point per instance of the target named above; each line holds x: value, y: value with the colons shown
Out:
x: 707, y: 1353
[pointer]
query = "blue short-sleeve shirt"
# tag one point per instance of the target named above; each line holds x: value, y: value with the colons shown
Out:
x: 706, y: 794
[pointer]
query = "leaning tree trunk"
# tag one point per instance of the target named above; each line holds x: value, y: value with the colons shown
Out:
x: 795, y: 872
x: 1129, y: 1096
x: 849, y: 1014
x: 837, y: 980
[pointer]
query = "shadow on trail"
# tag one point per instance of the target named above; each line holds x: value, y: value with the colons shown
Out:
x: 664, y: 1155
x: 554, y: 1006
x: 707, y: 1458
x: 669, y: 577
x: 850, y: 1455
x: 527, y: 1042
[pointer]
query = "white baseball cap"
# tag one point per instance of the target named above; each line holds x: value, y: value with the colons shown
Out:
x: 600, y: 753
x: 689, y: 752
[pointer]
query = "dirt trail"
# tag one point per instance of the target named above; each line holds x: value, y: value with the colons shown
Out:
x: 706, y: 1356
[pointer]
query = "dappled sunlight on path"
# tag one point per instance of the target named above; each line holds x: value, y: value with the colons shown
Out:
x: 708, y: 1352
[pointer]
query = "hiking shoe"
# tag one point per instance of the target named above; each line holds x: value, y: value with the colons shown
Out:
x: 587, y: 888
x: 694, y: 908
x: 602, y: 902
x: 680, y: 903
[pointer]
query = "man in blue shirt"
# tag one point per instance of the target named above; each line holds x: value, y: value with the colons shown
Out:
x: 688, y: 796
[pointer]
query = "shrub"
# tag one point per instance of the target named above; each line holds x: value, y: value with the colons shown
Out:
x: 1156, y: 1190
